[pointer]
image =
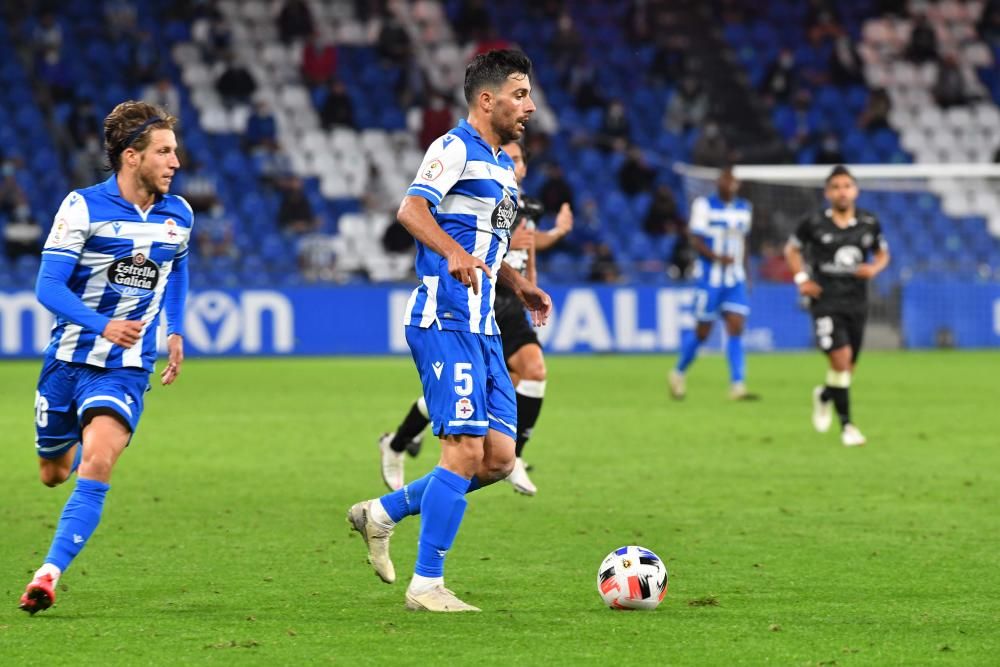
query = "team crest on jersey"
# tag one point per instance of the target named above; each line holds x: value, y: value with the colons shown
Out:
x: 432, y: 171
x: 136, y: 275
x: 866, y: 241
x: 848, y: 256
x: 504, y: 213
x: 826, y: 238
x: 463, y: 408
x: 171, y: 229
x: 59, y: 231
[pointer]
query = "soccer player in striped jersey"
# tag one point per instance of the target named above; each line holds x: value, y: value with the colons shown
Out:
x: 115, y: 257
x: 718, y: 229
x: 460, y: 209
x: 521, y: 347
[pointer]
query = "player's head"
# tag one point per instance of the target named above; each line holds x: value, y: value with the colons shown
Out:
x: 139, y: 140
x: 519, y: 154
x: 727, y: 183
x: 841, y: 189
x: 498, y: 88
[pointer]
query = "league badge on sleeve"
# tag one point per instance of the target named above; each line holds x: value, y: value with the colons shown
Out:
x: 432, y: 170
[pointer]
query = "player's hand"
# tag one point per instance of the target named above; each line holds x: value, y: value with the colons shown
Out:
x: 124, y: 333
x: 564, y: 220
x: 725, y: 260
x: 462, y: 267
x: 537, y: 302
x: 522, y: 238
x: 175, y: 357
x: 866, y: 272
x: 810, y: 288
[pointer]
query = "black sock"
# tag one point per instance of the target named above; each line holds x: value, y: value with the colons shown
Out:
x: 841, y: 401
x: 413, y: 424
x: 528, y: 408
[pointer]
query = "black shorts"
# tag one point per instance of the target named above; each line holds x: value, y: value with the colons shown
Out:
x: 515, y: 329
x: 835, y: 330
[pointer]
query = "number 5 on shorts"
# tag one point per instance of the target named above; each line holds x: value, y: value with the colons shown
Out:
x: 463, y: 379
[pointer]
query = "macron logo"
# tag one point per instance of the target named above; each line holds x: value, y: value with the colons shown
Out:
x: 128, y: 399
x: 448, y: 138
x: 77, y: 539
x: 438, y: 367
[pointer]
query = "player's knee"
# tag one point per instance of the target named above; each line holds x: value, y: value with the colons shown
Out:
x: 53, y: 475
x: 534, y: 370
x: 499, y: 467
x: 97, y: 466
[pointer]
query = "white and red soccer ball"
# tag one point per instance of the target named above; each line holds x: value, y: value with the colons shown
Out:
x: 632, y: 578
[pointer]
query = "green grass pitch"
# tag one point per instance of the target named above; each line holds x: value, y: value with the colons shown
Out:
x: 223, y: 538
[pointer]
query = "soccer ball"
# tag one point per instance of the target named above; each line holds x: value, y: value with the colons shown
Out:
x: 632, y: 578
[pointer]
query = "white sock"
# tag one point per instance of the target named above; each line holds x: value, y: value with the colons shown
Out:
x: 51, y: 569
x: 420, y: 584
x: 379, y: 515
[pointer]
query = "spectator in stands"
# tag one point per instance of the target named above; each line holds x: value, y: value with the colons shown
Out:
x: 22, y: 234
x: 663, y: 217
x: 615, y: 128
x: 337, y: 109
x: 555, y: 190
x: 435, y: 120
x: 52, y: 71
x: 667, y: 63
x: 829, y: 151
x: 821, y: 21
x: 687, y: 107
x: 923, y: 46
x: 989, y: 23
x: 88, y: 162
x: 802, y: 130
x: 875, y: 115
x: 11, y: 193
x: 214, y: 234
x: 473, y: 21
x: 393, y: 44
x: 582, y: 85
x: 295, y: 213
x: 199, y: 188
x: 781, y: 78
x: 82, y: 122
x: 949, y: 87
x: 211, y: 33
x: 566, y: 46
x: 603, y: 267
x: 236, y: 84
x: 711, y: 149
x: 635, y: 175
x: 317, y: 254
x: 272, y: 165
x: 396, y: 240
x: 143, y: 60
x: 163, y: 93
x: 47, y: 34
x: 120, y: 18
x: 845, y: 64
x: 295, y: 21
x: 261, y: 125
x: 319, y: 61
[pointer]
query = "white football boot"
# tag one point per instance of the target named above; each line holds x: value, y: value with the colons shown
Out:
x: 518, y: 477
x: 822, y: 411
x: 436, y: 598
x: 851, y: 436
x: 376, y: 536
x: 678, y: 388
x: 392, y: 463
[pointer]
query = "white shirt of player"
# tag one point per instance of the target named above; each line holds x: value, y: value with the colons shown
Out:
x: 724, y: 227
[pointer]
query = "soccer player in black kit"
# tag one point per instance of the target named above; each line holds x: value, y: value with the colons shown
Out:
x: 834, y: 253
x: 521, y: 347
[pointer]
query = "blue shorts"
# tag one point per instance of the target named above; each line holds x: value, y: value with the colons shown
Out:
x: 466, y: 383
x: 66, y: 391
x: 710, y: 301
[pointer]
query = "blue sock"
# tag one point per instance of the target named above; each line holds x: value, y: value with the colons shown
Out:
x: 79, y: 519
x: 406, y: 502
x: 77, y: 457
x: 689, y: 350
x: 442, y: 508
x: 736, y: 358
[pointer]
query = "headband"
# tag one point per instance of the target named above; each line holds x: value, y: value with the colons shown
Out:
x: 139, y: 130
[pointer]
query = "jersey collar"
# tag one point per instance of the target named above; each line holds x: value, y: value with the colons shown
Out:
x: 111, y: 187
x: 474, y: 133
x: 850, y: 223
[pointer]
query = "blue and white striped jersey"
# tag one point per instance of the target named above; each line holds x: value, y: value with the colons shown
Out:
x: 123, y: 258
x: 724, y: 227
x: 474, y: 198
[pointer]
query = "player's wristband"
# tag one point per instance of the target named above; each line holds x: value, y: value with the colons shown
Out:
x: 801, y: 277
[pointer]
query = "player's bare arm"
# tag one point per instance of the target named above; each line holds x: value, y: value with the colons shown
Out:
x: 533, y: 298
x: 175, y: 357
x: 564, y: 225
x: 414, y: 214
x: 876, y: 266
x: 807, y: 286
x: 702, y: 249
